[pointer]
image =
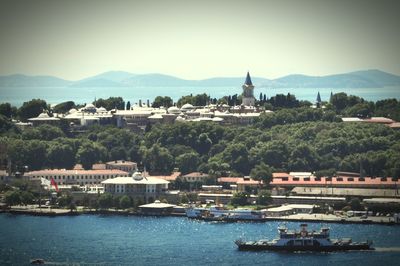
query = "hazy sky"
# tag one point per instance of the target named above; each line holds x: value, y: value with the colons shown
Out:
x: 198, y: 39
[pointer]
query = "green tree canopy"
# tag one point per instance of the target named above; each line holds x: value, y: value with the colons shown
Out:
x: 31, y: 109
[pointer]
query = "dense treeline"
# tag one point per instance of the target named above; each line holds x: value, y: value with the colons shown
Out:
x: 290, y: 139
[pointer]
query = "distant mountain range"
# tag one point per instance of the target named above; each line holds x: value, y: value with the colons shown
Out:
x: 359, y: 79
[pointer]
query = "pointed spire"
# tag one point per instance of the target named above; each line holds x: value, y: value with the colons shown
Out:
x: 248, y: 79
x: 318, y: 98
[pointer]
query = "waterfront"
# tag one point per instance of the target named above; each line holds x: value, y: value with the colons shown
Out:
x: 128, y: 240
x: 17, y: 95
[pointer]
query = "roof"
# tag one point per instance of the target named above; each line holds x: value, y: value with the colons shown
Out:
x: 196, y: 174
x: 121, y: 162
x: 394, y: 125
x: 149, y: 180
x: 157, y: 205
x: 229, y: 179
x: 382, y: 120
x: 382, y: 200
x: 351, y: 119
x: 171, y: 177
x: 248, y: 80
x: 76, y: 172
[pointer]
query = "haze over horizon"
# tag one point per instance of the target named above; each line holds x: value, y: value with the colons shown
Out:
x: 198, y: 40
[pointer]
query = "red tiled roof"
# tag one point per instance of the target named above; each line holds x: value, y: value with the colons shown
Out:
x: 76, y: 172
x: 195, y: 174
x: 382, y: 120
x: 171, y: 177
x: 394, y: 125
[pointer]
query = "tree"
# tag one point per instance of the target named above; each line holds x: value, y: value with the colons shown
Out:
x: 7, y: 110
x: 63, y: 107
x: 240, y: 198
x: 187, y: 162
x: 355, y: 204
x: 264, y: 197
x: 262, y: 172
x: 12, y: 197
x: 125, y: 202
x: 90, y: 153
x: 105, y: 201
x: 32, y: 108
x: 26, y: 197
x: 43, y: 132
x: 111, y: 103
x: 65, y: 200
x: 164, y: 101
x: 158, y: 159
x: 61, y: 156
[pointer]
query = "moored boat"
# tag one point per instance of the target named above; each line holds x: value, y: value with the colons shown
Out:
x: 304, y: 240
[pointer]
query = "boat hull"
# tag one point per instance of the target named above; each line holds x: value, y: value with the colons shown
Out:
x: 333, y: 248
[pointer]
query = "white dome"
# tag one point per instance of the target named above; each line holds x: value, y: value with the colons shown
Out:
x: 72, y: 110
x: 179, y: 118
x: 187, y: 106
x: 173, y: 110
x: 156, y: 116
x: 43, y: 115
x: 89, y: 106
x: 137, y: 176
x: 217, y: 119
x: 101, y: 109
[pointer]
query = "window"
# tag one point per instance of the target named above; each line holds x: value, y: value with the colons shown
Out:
x: 350, y: 179
x: 285, y: 179
x: 296, y: 179
x: 317, y: 179
x: 361, y: 179
x: 306, y: 179
x: 339, y: 179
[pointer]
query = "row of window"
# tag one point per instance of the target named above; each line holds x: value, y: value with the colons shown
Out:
x: 349, y: 179
x: 79, y: 177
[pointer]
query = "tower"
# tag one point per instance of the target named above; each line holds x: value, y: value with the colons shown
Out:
x: 318, y: 100
x: 248, y: 92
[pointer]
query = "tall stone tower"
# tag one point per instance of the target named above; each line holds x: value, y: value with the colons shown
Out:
x: 248, y: 92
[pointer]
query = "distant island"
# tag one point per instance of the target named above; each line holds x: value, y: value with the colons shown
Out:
x: 359, y: 79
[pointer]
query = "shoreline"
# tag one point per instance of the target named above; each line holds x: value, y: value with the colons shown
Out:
x: 64, y: 212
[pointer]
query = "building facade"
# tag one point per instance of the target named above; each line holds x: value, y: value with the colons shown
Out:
x: 139, y: 186
x: 76, y: 177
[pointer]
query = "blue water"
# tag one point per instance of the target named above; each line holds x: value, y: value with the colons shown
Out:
x: 17, y: 95
x: 130, y: 240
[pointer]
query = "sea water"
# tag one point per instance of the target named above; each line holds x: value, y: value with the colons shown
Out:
x: 132, y: 240
x: 17, y: 95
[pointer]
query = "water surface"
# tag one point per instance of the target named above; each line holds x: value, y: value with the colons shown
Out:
x: 130, y: 240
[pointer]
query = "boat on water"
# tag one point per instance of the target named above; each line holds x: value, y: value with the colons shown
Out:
x: 219, y: 213
x: 304, y: 240
x: 37, y: 261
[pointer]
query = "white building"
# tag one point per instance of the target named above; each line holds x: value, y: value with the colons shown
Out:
x: 137, y: 186
x: 76, y: 177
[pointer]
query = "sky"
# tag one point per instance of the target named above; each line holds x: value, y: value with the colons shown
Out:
x: 198, y: 39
